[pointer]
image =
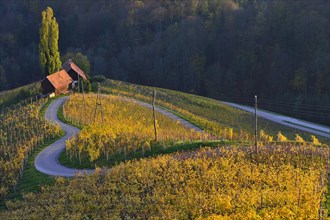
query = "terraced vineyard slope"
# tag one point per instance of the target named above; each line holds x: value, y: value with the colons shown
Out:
x: 211, y: 115
x: 21, y: 131
x: 282, y: 182
x: 121, y: 127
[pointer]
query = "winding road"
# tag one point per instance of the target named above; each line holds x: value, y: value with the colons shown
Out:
x: 47, y: 160
x: 182, y: 121
x: 287, y: 121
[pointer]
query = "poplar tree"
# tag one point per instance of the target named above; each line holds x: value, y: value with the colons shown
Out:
x: 48, y: 47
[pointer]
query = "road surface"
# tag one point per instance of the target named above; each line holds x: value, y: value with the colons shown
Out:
x: 287, y: 121
x: 47, y: 160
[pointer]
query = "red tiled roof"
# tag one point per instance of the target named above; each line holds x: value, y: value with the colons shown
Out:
x: 59, y: 79
x: 68, y: 65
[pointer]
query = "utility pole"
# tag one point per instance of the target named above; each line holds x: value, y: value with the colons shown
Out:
x: 83, y: 91
x: 154, y: 114
x: 98, y: 103
x: 256, y: 123
x: 78, y: 84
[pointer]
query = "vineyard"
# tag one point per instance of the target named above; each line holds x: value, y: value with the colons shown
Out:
x: 21, y: 131
x: 123, y: 126
x: 211, y: 115
x: 281, y: 182
x: 287, y: 179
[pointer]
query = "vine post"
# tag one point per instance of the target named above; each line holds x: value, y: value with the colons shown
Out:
x: 154, y: 115
x: 256, y: 124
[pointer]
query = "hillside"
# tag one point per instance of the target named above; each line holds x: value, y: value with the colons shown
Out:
x: 23, y: 93
x: 209, y: 114
x: 236, y: 182
x: 206, y: 184
x: 143, y: 114
x: 225, y: 49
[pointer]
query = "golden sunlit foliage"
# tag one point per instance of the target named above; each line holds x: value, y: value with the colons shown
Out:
x: 127, y: 127
x: 21, y: 131
x: 315, y: 140
x: 265, y: 137
x: 281, y: 182
x: 211, y: 115
x: 181, y: 103
x: 299, y: 139
x: 281, y: 137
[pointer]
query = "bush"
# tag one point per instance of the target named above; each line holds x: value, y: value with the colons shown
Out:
x: 98, y: 78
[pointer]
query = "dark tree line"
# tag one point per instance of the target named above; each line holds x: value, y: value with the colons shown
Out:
x: 226, y: 49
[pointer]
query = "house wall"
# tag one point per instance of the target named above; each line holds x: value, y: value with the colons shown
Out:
x: 62, y: 89
x: 47, y: 87
x: 73, y: 74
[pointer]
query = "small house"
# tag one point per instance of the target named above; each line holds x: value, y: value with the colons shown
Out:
x: 57, y: 83
x: 73, y: 70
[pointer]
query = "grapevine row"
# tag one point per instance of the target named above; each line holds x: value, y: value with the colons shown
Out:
x: 21, y: 131
x: 125, y: 128
x: 221, y: 183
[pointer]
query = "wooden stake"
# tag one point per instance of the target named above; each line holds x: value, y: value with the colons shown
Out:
x: 83, y: 90
x: 154, y: 114
x: 256, y: 128
x: 98, y: 103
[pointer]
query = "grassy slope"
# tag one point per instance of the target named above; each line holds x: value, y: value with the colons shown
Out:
x: 13, y: 96
x: 207, y: 108
x: 117, y: 158
x: 210, y: 109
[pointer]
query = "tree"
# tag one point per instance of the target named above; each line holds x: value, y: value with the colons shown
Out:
x: 79, y: 59
x: 48, y: 47
x: 3, y: 80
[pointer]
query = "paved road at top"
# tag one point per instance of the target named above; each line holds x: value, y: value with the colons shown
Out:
x: 47, y: 160
x: 287, y: 121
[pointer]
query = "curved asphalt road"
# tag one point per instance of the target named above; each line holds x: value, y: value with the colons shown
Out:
x: 287, y: 121
x: 47, y: 160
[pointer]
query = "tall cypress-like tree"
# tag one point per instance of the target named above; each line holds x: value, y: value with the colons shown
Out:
x: 49, y: 33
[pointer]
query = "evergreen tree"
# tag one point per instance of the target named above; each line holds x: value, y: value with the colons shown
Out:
x: 49, y: 33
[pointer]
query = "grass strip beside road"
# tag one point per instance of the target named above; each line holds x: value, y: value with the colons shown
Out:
x: 156, y: 150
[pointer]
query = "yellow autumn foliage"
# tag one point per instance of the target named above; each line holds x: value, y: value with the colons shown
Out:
x: 221, y: 183
x: 21, y: 131
x: 127, y: 127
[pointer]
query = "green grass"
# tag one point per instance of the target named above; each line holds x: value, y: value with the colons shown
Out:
x: 60, y: 116
x: 16, y: 95
x: 50, y: 100
x: 156, y: 150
